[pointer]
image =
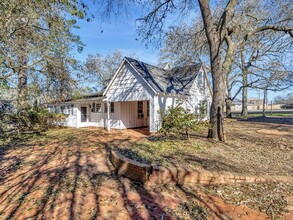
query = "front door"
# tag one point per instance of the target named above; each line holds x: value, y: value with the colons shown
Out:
x: 83, y: 111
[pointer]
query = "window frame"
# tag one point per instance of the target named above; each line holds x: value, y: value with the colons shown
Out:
x: 140, y: 114
x: 93, y: 109
x: 98, y: 109
x: 112, y: 107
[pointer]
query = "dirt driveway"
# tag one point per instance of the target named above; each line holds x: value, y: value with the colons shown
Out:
x: 66, y: 174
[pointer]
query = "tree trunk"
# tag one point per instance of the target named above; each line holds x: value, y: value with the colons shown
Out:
x: 228, y: 100
x: 22, y: 80
x: 219, y: 90
x: 228, y: 108
x: 244, y: 111
x: 264, y: 103
x: 215, y: 36
x: 219, y: 79
x: 217, y: 127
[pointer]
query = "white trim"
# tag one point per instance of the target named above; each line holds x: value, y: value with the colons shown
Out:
x: 82, y: 100
x: 117, y: 72
x: 142, y: 78
x: 88, y: 100
x: 207, y: 80
x: 108, y: 116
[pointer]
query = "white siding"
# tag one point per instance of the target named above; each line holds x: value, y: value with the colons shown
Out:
x: 199, y: 93
x: 70, y: 121
x: 129, y: 115
x: 128, y: 86
x: 115, y: 117
x: 98, y: 118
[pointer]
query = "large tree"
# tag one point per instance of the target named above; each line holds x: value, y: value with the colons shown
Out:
x: 251, y: 36
x: 36, y: 42
x: 215, y: 33
x: 185, y: 45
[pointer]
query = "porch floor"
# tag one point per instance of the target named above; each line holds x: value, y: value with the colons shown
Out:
x: 142, y: 130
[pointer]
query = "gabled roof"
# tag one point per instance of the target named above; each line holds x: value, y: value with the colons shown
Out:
x: 177, y: 80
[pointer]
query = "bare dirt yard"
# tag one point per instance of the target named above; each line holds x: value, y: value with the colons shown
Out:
x: 66, y: 174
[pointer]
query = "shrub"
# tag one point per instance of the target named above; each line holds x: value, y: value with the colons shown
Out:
x: 178, y: 120
x: 40, y: 119
x: 30, y: 118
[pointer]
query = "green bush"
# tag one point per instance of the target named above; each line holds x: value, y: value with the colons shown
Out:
x: 178, y: 120
x: 40, y: 119
x: 30, y: 118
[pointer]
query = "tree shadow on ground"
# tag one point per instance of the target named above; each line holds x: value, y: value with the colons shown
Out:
x: 70, y: 178
x: 270, y: 119
x: 67, y: 174
x: 212, y: 164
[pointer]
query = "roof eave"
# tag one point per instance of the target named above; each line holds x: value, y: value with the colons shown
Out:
x: 113, y: 78
x: 171, y: 95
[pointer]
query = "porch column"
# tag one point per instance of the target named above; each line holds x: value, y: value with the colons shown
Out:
x: 108, y: 117
x: 78, y: 115
x: 152, y: 126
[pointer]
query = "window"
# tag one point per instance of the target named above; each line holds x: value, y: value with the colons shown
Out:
x: 148, y: 109
x: 139, y: 109
x: 62, y: 109
x: 94, y: 107
x: 72, y: 109
x: 98, y: 107
x: 112, y: 107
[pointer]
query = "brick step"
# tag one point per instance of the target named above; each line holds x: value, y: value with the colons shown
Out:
x: 157, y: 175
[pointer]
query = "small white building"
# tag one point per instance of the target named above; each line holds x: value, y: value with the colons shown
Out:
x: 138, y: 94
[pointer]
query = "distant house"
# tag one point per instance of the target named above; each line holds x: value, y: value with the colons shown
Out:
x: 236, y: 105
x: 137, y: 95
x: 253, y: 105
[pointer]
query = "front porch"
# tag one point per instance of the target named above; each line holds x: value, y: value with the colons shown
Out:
x: 117, y: 115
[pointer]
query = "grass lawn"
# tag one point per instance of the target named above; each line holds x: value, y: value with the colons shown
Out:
x: 66, y: 174
x: 268, y: 114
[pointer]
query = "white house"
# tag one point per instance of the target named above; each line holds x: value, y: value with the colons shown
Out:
x: 138, y: 94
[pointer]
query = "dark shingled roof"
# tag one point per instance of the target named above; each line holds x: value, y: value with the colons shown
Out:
x: 177, y: 80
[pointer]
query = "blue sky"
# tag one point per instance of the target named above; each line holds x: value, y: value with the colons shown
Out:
x: 119, y: 33
x: 108, y: 37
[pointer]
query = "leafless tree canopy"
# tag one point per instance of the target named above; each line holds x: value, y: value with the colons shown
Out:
x: 101, y: 68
